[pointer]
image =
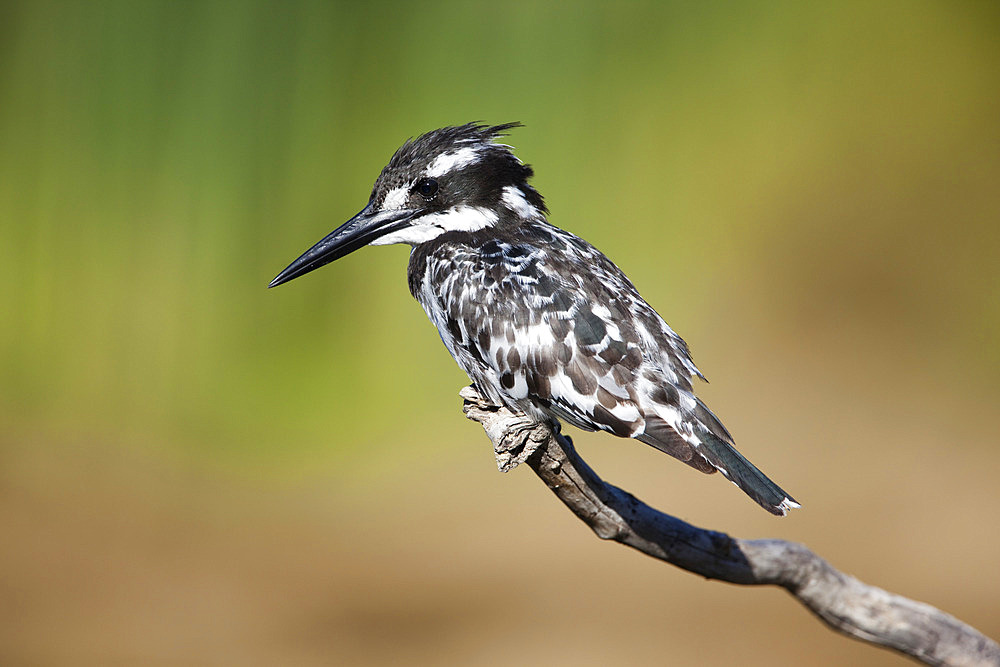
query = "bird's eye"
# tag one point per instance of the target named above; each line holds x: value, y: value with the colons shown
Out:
x: 427, y: 188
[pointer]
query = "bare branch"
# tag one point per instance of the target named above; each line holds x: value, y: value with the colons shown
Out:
x: 844, y: 603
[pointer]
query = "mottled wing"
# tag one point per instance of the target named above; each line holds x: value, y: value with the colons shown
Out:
x: 548, y: 325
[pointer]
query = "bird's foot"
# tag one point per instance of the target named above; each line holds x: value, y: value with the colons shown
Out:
x: 515, y: 435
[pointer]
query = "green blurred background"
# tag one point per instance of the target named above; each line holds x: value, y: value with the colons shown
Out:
x: 197, y: 470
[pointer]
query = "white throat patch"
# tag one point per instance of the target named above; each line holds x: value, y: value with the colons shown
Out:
x: 430, y: 226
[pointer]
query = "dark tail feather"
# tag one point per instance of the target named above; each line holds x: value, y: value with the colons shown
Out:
x: 745, y: 475
x: 661, y: 435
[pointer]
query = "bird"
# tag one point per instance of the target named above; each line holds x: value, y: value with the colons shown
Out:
x: 541, y: 321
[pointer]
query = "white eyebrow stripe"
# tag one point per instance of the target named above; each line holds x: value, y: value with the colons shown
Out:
x: 442, y: 164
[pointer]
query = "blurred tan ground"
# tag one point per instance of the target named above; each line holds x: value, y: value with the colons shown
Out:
x: 114, y: 556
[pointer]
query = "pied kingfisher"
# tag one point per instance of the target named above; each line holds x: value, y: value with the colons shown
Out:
x: 541, y: 320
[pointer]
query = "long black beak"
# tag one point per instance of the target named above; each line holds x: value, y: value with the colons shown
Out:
x: 359, y: 231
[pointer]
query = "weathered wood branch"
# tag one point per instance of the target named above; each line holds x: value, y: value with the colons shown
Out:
x: 842, y: 602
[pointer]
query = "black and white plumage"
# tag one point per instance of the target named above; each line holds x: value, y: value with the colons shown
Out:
x: 540, y: 320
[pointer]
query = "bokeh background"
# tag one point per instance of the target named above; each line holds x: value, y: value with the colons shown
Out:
x: 197, y: 470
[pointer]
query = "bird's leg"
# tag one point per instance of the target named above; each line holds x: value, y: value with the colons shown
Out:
x: 515, y: 435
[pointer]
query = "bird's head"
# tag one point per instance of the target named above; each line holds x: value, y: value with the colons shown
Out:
x: 452, y: 179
